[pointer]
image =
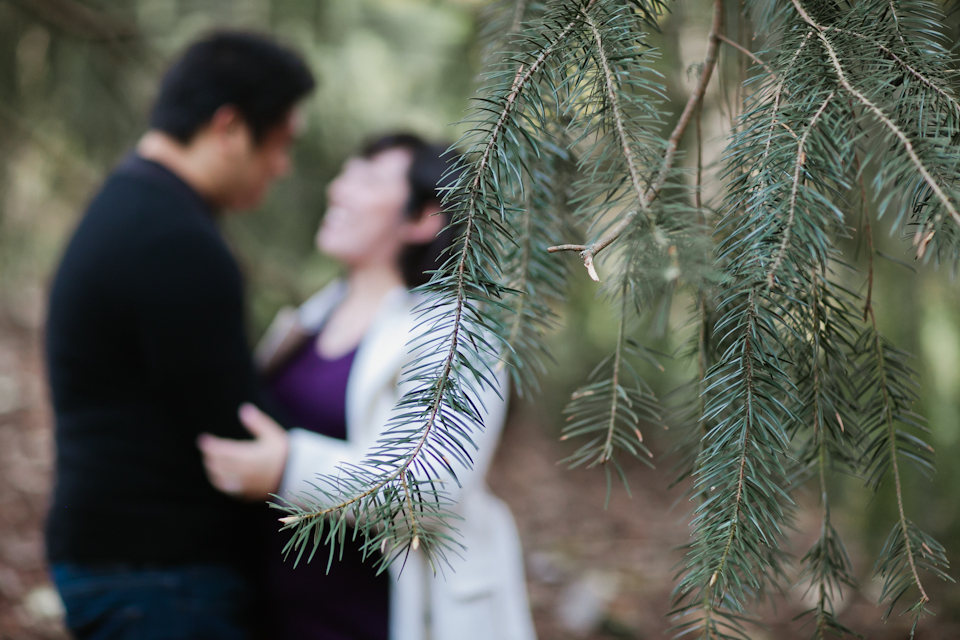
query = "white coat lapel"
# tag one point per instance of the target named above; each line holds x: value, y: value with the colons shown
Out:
x: 315, y: 311
x: 379, y: 359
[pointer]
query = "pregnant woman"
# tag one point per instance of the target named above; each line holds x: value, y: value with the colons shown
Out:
x: 333, y: 367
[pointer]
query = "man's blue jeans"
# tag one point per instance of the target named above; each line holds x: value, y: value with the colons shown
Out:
x: 120, y: 602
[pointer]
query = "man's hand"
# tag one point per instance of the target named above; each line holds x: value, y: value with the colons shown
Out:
x: 248, y: 469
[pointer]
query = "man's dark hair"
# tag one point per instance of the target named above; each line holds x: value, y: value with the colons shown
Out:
x: 254, y: 74
x: 432, y: 171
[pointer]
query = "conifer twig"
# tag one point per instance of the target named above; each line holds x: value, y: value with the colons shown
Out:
x: 750, y: 54
x: 798, y: 167
x: 746, y: 360
x: 894, y: 457
x: 878, y: 113
x: 887, y: 410
x: 930, y: 84
x: 588, y: 252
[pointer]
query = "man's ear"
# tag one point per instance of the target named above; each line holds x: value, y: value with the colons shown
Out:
x: 426, y: 228
x: 226, y: 121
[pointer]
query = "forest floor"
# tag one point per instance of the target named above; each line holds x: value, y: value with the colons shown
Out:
x: 593, y: 573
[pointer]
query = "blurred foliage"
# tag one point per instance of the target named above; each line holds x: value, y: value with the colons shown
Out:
x: 77, y: 80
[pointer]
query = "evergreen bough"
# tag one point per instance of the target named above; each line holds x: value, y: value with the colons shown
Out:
x: 794, y: 382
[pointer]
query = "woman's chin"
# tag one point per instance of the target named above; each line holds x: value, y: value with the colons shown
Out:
x: 346, y: 258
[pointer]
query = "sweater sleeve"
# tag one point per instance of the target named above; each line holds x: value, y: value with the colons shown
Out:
x: 192, y: 334
x: 312, y: 456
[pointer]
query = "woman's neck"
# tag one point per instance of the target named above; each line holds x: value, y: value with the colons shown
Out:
x: 349, y: 322
x: 372, y: 283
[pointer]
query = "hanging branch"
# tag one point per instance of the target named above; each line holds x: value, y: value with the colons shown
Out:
x: 537, y: 281
x: 823, y: 381
x: 905, y: 533
x: 797, y: 168
x: 750, y: 54
x: 625, y: 407
x: 888, y: 391
x: 368, y: 492
x: 589, y: 252
x: 789, y: 381
x: 878, y: 113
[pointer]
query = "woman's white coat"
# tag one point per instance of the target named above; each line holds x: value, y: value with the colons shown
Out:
x: 482, y: 594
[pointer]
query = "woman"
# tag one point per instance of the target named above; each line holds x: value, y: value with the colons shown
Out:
x: 334, y: 366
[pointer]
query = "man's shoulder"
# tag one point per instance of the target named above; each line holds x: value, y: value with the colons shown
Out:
x: 127, y: 193
x: 134, y: 227
x: 136, y: 211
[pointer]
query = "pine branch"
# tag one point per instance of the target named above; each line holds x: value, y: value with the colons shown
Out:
x: 570, y: 118
x: 878, y: 113
x: 589, y: 252
x: 750, y: 54
x: 930, y: 84
x: 537, y: 281
x: 892, y: 452
x: 440, y: 394
x: 798, y: 167
x: 620, y: 407
x: 823, y: 379
x: 887, y: 392
x: 617, y: 115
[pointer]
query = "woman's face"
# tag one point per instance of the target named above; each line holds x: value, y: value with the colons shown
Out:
x: 365, y: 221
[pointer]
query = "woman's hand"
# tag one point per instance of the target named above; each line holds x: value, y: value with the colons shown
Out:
x: 248, y: 469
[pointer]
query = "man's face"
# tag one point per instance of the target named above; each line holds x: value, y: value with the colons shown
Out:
x: 250, y: 167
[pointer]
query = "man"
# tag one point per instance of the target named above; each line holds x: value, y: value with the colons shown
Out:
x: 146, y: 349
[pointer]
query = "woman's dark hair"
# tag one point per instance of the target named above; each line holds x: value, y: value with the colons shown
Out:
x: 431, y: 172
x: 250, y: 72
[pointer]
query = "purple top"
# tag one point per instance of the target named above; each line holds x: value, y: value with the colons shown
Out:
x: 351, y: 602
x: 313, y: 391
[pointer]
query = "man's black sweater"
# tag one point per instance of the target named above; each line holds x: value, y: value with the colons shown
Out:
x: 146, y: 349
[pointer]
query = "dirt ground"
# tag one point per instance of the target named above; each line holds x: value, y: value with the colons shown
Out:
x: 592, y: 573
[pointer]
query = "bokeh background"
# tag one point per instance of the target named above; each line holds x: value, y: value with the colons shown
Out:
x: 76, y: 81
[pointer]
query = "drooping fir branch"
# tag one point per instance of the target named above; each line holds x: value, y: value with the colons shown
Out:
x: 398, y: 495
x: 589, y: 251
x: 738, y: 484
x: 887, y: 391
x: 750, y: 54
x: 572, y: 83
x: 879, y: 114
x: 828, y: 431
x: 908, y: 549
x: 778, y: 230
x: 794, y: 189
x: 661, y: 243
x: 615, y: 393
x: 539, y: 219
x: 613, y: 104
x: 927, y: 82
x: 542, y: 167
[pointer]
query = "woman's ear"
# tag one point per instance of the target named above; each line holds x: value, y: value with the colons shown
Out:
x: 426, y: 228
